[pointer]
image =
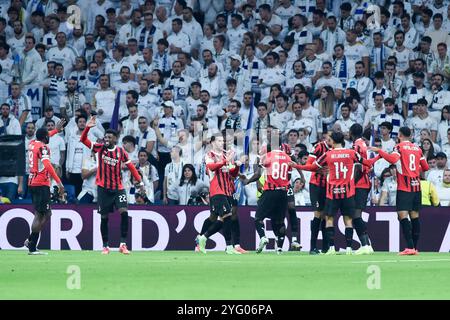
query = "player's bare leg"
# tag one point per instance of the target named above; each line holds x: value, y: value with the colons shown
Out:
x: 236, y: 230
x: 39, y: 221
x: 407, y: 233
x: 348, y: 235
x: 123, y: 230
x: 415, y: 224
x: 330, y: 235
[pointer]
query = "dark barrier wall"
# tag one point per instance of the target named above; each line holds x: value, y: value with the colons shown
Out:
x: 174, y: 228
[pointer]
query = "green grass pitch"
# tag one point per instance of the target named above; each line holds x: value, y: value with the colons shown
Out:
x: 189, y: 275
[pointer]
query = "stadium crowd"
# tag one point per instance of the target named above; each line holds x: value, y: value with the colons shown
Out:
x: 174, y: 72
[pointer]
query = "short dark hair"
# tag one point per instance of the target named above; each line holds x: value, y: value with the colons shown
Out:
x: 405, y: 131
x: 113, y: 132
x: 356, y: 131
x: 337, y: 137
x: 129, y: 139
x: 41, y: 134
x: 386, y: 124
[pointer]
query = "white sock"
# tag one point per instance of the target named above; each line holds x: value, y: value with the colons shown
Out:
x: 294, y: 239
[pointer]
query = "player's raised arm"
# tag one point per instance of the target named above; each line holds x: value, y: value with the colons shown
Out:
x: 84, y: 136
x: 59, y: 128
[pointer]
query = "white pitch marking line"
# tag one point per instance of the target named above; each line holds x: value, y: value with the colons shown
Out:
x: 393, y: 261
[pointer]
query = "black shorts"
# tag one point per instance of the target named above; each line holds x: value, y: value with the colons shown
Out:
x: 290, y: 195
x: 346, y: 206
x: 272, y: 204
x: 408, y: 201
x: 109, y: 200
x: 361, y: 196
x: 41, y: 198
x: 220, y: 205
x: 317, y: 196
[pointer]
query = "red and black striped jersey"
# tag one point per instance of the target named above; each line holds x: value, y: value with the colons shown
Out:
x: 37, y: 153
x: 277, y: 170
x: 318, y: 178
x: 220, y: 174
x: 364, y: 182
x: 340, y: 179
x: 409, y: 166
x: 109, y: 171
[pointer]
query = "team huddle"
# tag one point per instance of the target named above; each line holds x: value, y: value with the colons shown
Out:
x: 340, y: 181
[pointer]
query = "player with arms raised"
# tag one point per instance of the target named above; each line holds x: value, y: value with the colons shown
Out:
x: 41, y: 170
x: 111, y: 193
x: 409, y: 161
x: 340, y: 191
x: 220, y: 169
x: 273, y: 202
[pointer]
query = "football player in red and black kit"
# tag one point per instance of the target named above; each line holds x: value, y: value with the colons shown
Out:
x: 220, y: 168
x: 273, y: 202
x: 41, y: 170
x: 410, y: 162
x: 111, y: 193
x: 363, y: 186
x: 317, y: 191
x: 340, y: 190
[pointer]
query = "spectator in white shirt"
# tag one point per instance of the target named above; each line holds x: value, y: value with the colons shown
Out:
x: 88, y: 192
x: 150, y: 175
x: 20, y: 104
x: 270, y: 75
x: 212, y: 83
x: 188, y: 185
x: 423, y: 121
x: 345, y: 122
x: 173, y: 173
x: 435, y: 176
x: 178, y: 40
x: 57, y: 148
x: 63, y: 53
x: 443, y: 190
x: 8, y: 123
x: 76, y: 151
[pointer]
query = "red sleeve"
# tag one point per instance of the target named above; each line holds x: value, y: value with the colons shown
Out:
x: 389, y: 157
x: 213, y: 166
x: 84, y: 138
x: 424, y: 164
x: 53, y: 132
x: 370, y: 162
x: 134, y: 172
x: 47, y: 164
x: 308, y: 167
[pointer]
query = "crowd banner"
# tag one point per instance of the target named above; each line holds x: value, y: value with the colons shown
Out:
x: 160, y: 228
x: 36, y: 94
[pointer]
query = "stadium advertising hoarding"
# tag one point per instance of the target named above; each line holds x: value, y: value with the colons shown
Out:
x: 175, y: 227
